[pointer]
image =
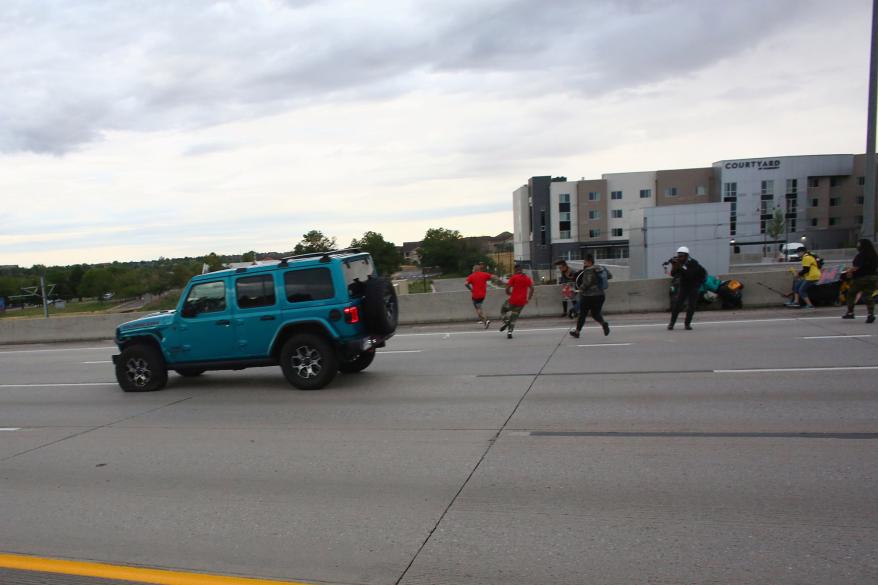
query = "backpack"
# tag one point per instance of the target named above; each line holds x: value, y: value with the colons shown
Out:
x: 604, y: 277
x: 817, y: 259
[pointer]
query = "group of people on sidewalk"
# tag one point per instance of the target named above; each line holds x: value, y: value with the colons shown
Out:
x: 589, y: 285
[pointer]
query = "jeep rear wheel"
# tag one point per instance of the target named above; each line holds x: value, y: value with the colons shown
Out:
x: 141, y: 368
x: 380, y: 306
x: 308, y: 361
x: 358, y: 363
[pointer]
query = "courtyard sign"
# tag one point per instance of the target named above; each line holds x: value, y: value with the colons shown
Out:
x: 762, y: 165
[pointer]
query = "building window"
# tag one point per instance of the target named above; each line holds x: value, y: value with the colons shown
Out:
x: 542, y: 217
x: 645, y: 193
x: 814, y: 222
x: 833, y: 221
x: 670, y: 191
x: 616, y: 195
x: 834, y: 201
x: 815, y: 182
x: 617, y: 214
x: 701, y: 190
x: 730, y: 190
x: 594, y: 196
x: 834, y: 181
x: 594, y: 214
x: 617, y: 232
x: 859, y: 220
x: 861, y: 180
x: 815, y: 202
x: 792, y: 186
x: 564, y: 234
x: 594, y: 233
x: 564, y: 198
x: 543, y: 236
x: 860, y: 199
x: 767, y: 188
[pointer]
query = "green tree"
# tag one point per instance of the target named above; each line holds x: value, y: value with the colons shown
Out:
x: 384, y: 253
x: 213, y: 262
x: 95, y: 282
x: 776, y: 225
x: 248, y: 256
x: 446, y: 249
x: 314, y: 241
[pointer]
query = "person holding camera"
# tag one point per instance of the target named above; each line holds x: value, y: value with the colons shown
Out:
x: 691, y: 275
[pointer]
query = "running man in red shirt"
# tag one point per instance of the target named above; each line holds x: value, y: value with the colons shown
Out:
x: 477, y: 283
x: 520, y: 290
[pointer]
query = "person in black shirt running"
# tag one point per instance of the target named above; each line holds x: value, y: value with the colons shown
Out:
x: 864, y: 278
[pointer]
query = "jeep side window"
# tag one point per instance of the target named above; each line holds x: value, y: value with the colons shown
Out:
x: 311, y: 284
x: 208, y: 297
x: 255, y: 291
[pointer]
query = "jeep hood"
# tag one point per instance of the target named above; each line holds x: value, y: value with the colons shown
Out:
x: 151, y: 321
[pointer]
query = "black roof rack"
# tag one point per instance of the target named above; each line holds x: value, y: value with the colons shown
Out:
x: 320, y: 254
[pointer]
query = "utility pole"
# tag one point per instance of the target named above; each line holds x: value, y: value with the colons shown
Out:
x: 869, y: 206
x: 45, y: 301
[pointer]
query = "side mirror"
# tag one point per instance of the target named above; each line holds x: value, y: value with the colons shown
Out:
x: 189, y: 311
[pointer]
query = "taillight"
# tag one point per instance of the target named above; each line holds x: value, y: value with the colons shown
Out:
x: 352, y: 315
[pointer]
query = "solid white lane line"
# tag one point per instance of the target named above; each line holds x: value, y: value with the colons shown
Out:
x: 605, y: 345
x: 401, y: 351
x: 11, y: 429
x: 64, y: 349
x: 825, y: 369
x: 102, y: 362
x: 836, y: 336
x: 53, y: 385
x: 447, y: 334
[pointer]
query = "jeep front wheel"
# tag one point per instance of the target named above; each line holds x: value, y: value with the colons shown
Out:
x: 358, y: 363
x: 141, y: 368
x: 308, y: 361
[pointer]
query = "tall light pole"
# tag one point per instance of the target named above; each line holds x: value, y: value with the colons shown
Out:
x: 869, y: 207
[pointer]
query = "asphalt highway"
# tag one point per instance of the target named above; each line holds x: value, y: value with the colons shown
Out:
x: 741, y: 452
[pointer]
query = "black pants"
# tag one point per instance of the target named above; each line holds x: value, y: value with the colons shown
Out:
x: 687, y: 296
x: 593, y: 305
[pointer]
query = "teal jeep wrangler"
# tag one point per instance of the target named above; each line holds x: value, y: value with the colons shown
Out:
x: 313, y: 314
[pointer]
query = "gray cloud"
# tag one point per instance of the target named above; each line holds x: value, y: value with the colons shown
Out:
x: 73, y: 71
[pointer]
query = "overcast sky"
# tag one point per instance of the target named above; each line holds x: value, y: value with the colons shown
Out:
x: 137, y: 129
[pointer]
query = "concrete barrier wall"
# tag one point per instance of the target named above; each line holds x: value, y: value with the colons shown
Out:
x: 634, y: 296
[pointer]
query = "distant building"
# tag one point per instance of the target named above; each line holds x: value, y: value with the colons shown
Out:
x: 820, y: 197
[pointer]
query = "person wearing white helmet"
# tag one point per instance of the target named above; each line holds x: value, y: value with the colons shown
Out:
x: 691, y: 276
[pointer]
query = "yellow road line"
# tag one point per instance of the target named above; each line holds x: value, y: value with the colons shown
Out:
x: 122, y: 573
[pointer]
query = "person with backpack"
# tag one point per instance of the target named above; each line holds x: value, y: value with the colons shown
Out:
x: 808, y: 277
x: 592, y: 283
x: 691, y: 275
x: 863, y: 276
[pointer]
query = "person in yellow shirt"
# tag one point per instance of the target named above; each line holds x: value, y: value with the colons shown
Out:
x: 809, y: 276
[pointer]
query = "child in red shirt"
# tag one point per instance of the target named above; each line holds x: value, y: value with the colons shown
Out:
x: 477, y: 283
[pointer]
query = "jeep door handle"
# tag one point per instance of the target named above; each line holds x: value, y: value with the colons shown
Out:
x: 267, y: 318
x: 223, y: 322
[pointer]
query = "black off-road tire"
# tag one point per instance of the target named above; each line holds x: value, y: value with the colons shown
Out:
x: 380, y: 307
x: 190, y: 372
x: 308, y: 361
x: 141, y: 368
x: 358, y: 363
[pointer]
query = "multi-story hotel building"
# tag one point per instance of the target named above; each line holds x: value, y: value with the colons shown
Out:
x: 820, y: 197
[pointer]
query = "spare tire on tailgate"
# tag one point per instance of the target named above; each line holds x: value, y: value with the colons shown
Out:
x: 380, y: 306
